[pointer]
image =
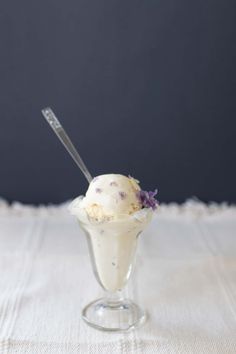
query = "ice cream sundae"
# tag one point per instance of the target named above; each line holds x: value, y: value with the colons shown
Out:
x: 113, y: 213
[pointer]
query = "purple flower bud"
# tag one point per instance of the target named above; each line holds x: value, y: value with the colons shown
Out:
x: 147, y: 199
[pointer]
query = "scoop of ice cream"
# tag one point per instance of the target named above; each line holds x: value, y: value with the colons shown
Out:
x: 111, y: 196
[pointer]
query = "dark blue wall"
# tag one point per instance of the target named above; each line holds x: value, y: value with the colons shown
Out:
x: 143, y: 87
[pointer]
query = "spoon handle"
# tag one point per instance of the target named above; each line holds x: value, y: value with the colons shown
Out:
x: 61, y: 134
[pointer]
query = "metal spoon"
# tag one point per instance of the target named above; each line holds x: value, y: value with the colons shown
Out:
x: 61, y: 134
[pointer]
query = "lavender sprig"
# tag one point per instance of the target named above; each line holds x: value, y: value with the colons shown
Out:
x: 147, y: 199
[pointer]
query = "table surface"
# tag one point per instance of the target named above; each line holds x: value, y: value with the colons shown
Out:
x: 185, y: 277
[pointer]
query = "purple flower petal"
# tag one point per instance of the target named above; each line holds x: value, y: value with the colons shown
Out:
x: 122, y: 195
x: 147, y: 199
x: 113, y: 183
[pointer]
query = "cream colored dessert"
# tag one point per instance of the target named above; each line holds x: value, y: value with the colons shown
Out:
x: 112, y: 216
x: 111, y: 196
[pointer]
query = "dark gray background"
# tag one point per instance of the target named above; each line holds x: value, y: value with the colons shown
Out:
x: 142, y: 87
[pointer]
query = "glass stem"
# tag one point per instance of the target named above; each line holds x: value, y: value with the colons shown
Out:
x: 114, y: 298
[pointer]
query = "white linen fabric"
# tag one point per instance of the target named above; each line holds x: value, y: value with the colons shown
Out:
x: 185, y: 277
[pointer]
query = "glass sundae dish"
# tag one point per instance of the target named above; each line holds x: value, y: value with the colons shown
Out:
x: 113, y: 214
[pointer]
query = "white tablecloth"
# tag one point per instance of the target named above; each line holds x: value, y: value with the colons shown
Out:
x: 185, y: 278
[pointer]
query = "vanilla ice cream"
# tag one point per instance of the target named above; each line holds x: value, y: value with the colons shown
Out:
x: 111, y: 196
x: 112, y: 215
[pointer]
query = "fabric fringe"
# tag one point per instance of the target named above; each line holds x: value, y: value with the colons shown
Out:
x: 192, y: 208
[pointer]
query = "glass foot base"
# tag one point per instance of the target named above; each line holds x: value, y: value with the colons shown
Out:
x: 113, y: 316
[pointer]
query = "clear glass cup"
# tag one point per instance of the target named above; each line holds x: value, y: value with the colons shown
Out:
x: 112, y: 247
